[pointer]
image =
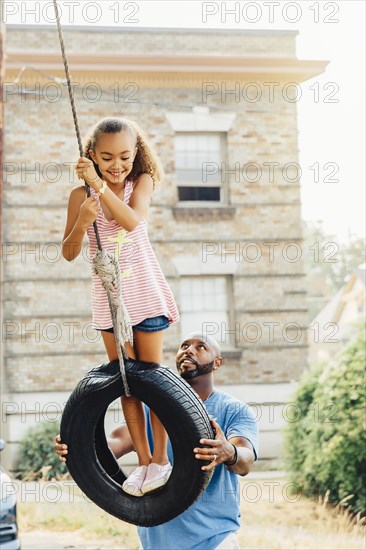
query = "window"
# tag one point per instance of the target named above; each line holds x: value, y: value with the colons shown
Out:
x: 198, y: 158
x: 205, y: 306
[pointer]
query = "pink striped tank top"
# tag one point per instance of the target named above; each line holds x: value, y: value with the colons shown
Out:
x: 145, y: 290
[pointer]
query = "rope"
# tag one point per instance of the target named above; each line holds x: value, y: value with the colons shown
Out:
x: 73, y: 108
x: 107, y: 267
x: 104, y: 264
x: 67, y: 72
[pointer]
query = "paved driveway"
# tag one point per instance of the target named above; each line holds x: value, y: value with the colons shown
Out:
x: 51, y: 540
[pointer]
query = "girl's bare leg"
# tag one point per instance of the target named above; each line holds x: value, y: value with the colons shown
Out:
x: 148, y: 347
x: 132, y: 407
x: 111, y: 348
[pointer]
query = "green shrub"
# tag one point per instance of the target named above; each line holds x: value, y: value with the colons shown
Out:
x: 300, y: 423
x: 326, y: 445
x: 38, y: 459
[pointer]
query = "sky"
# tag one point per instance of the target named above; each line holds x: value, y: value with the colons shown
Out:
x: 331, y: 111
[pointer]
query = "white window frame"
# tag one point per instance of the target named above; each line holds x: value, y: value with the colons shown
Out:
x: 216, y: 181
x: 222, y: 329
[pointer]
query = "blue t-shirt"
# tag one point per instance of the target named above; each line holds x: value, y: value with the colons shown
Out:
x: 216, y: 513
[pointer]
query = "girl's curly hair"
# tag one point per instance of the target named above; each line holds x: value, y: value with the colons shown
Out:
x: 146, y: 161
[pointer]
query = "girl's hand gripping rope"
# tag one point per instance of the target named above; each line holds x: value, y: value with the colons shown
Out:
x: 88, y: 212
x: 85, y: 170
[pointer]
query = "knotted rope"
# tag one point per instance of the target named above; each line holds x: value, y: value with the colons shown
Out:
x: 107, y: 267
x: 104, y: 264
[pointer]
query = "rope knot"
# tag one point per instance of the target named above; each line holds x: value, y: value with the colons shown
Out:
x: 106, y: 266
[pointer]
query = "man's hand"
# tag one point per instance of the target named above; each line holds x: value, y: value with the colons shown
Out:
x: 219, y: 451
x: 60, y: 448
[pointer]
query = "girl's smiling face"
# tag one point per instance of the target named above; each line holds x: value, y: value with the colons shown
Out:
x: 114, y: 154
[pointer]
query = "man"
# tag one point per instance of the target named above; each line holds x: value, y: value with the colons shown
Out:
x: 213, y: 520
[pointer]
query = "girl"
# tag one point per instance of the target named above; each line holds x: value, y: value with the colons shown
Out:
x: 122, y: 170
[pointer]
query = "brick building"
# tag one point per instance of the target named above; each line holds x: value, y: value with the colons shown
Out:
x: 220, y: 109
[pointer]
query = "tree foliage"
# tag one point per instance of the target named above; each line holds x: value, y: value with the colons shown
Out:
x: 328, y: 263
x: 38, y: 459
x: 326, y: 443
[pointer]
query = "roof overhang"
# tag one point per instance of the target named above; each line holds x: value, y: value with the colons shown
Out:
x: 246, y: 68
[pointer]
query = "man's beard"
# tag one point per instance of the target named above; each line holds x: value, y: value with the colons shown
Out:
x: 200, y: 370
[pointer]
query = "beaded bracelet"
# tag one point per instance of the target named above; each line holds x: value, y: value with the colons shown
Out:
x: 235, y: 459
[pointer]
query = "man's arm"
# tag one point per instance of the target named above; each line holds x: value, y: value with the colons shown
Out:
x: 243, y: 455
x: 220, y: 451
x: 119, y: 442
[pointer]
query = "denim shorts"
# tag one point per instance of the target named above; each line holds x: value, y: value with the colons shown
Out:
x: 153, y: 324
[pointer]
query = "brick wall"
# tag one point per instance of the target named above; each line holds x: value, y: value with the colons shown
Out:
x: 156, y: 42
x: 46, y: 295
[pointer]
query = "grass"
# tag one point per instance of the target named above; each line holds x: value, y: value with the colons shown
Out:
x: 280, y: 520
x: 272, y: 519
x: 84, y: 519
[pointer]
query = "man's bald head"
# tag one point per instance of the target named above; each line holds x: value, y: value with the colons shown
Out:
x: 205, y: 338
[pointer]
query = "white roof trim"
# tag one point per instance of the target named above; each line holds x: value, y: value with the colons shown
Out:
x: 200, y: 122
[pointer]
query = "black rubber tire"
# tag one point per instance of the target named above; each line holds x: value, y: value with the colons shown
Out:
x: 93, y: 466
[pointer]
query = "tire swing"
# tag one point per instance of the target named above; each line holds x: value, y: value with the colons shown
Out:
x: 90, y: 462
x: 93, y: 466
